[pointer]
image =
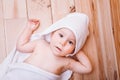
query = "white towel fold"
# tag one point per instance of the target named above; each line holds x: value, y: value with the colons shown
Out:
x: 23, y: 71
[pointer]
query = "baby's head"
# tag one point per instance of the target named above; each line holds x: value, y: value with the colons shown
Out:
x: 77, y: 24
x: 62, y: 42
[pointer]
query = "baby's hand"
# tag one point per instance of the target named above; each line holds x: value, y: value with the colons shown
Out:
x: 33, y: 24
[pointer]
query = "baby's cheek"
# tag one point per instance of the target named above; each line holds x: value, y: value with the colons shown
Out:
x: 69, y: 49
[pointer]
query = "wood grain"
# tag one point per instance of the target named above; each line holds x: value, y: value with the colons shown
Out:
x: 41, y: 10
x: 102, y: 46
x: 14, y: 9
x: 2, y: 35
x: 115, y: 11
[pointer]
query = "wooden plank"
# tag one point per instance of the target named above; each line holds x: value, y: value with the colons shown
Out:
x: 1, y: 10
x: 107, y: 40
x: 12, y: 29
x: 2, y: 41
x: 115, y: 13
x: 60, y: 8
x: 92, y: 45
x: 40, y: 9
x: 2, y: 35
x: 14, y: 9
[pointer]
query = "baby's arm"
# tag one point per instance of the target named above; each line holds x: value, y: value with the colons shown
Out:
x: 23, y: 42
x: 83, y: 64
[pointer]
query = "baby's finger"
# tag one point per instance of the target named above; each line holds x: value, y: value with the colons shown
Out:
x: 35, y: 25
x: 35, y: 21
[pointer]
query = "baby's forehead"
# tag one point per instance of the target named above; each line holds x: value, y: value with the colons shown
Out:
x: 65, y: 29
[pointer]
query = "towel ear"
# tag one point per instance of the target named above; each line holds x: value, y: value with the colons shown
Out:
x: 48, y: 37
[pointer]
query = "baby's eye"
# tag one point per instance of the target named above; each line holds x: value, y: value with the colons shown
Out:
x: 60, y: 35
x: 70, y: 42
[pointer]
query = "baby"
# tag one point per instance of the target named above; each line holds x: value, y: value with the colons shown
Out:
x: 53, y: 51
x: 51, y: 56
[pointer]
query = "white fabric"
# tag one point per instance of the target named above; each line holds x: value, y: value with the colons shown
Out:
x: 77, y: 23
x: 23, y: 71
x: 12, y: 68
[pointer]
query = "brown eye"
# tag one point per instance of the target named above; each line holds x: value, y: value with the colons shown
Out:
x: 61, y: 35
x: 70, y: 42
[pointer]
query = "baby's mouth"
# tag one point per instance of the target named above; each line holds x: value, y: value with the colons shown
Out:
x: 58, y: 48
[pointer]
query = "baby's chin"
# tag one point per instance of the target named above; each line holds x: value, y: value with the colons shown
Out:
x: 59, y: 54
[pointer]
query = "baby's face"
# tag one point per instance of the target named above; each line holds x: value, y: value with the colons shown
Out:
x: 62, y: 42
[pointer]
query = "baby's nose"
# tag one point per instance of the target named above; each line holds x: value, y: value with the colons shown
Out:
x: 63, y: 42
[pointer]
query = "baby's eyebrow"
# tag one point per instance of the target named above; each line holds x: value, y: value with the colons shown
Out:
x: 62, y: 30
x: 72, y: 40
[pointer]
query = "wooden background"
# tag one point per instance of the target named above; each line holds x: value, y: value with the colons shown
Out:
x: 102, y: 46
